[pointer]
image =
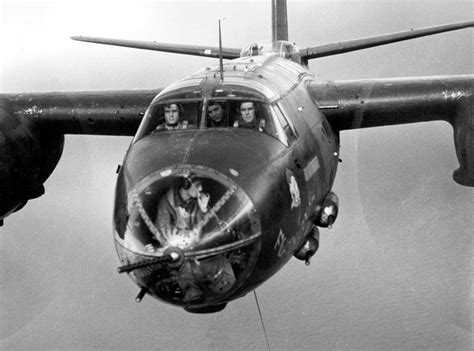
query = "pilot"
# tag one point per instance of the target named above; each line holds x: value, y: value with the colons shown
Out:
x: 172, y: 119
x: 216, y: 114
x: 248, y: 118
x: 181, y: 209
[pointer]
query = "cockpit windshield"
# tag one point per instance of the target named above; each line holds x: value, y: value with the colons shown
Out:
x: 229, y: 113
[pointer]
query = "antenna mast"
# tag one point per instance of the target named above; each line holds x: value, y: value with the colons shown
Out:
x: 221, y: 64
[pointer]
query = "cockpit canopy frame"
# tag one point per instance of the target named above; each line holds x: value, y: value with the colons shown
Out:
x: 280, y: 48
x: 194, y: 113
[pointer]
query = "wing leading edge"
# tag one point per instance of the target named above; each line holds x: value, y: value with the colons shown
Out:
x: 383, y: 102
x: 94, y: 112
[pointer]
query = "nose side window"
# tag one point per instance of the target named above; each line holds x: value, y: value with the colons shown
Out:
x: 288, y: 129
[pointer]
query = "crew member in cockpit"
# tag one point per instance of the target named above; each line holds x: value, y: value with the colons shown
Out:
x: 248, y: 118
x: 172, y: 119
x: 216, y: 114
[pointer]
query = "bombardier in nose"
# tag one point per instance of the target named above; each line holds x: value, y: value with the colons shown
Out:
x: 191, y: 236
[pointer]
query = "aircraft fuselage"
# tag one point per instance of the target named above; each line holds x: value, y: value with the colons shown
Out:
x: 265, y: 185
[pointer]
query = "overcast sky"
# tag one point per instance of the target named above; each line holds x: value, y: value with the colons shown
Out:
x: 394, y: 272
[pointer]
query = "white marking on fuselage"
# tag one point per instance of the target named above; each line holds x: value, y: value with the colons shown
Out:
x: 294, y: 192
x: 280, y: 243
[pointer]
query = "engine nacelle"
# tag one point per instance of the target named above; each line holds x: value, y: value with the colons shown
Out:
x: 464, y: 142
x: 28, y: 155
x: 328, y: 212
x: 309, y: 247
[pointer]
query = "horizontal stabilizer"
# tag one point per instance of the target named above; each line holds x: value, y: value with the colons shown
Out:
x: 364, y: 43
x: 195, y: 50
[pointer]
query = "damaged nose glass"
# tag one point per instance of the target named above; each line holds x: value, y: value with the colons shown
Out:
x: 191, y: 235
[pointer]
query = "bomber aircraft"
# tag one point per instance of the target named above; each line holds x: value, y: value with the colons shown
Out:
x: 230, y: 171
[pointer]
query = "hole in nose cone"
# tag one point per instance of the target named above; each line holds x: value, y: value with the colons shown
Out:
x: 202, y: 215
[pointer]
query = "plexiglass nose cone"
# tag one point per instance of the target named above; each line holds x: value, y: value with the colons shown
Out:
x: 205, y: 220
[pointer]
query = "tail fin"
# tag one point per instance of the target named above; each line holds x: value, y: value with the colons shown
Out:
x: 279, y: 20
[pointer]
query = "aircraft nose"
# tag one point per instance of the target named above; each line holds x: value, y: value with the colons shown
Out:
x: 191, y: 236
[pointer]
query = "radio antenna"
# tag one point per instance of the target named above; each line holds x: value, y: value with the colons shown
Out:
x: 221, y: 64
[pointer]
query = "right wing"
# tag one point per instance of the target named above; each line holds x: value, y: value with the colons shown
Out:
x: 32, y: 128
x: 89, y: 112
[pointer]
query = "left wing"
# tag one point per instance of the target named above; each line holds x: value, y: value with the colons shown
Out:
x: 383, y: 102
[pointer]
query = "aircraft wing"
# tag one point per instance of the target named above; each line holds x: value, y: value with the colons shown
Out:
x: 383, y: 102
x: 88, y: 112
